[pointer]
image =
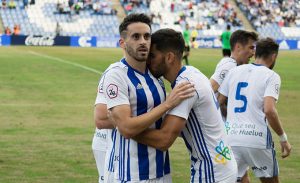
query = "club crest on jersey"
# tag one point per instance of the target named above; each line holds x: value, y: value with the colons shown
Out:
x: 139, y: 86
x: 277, y: 88
x: 223, y: 74
x: 112, y: 91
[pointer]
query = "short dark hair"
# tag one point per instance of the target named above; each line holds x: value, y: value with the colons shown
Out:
x: 242, y: 37
x: 168, y: 40
x: 228, y: 27
x: 133, y: 18
x: 266, y: 47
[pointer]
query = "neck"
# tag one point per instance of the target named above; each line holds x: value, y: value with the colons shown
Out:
x: 137, y: 65
x: 262, y: 62
x: 236, y: 58
x: 173, y: 71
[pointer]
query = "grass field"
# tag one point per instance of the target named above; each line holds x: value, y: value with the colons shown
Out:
x: 46, y: 112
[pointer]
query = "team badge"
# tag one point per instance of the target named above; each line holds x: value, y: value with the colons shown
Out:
x: 223, y: 74
x: 112, y: 91
x: 139, y: 86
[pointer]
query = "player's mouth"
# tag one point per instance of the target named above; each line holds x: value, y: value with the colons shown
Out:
x: 145, y: 50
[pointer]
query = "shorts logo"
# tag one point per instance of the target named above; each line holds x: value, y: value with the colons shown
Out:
x: 112, y: 91
x: 223, y: 74
x: 223, y: 153
x: 277, y: 88
x: 259, y: 168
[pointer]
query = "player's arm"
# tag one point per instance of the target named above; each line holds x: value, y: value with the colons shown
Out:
x: 130, y: 126
x: 222, y: 99
x: 100, y: 117
x: 215, y: 85
x: 273, y: 119
x: 162, y: 138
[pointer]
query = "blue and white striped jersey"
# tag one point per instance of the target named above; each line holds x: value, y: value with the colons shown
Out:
x: 204, y: 133
x: 246, y: 86
x: 143, y: 92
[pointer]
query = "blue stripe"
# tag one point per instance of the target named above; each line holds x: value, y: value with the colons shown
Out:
x: 128, y: 160
x: 197, y: 137
x: 112, y: 153
x: 275, y: 163
x: 141, y: 100
x: 120, y: 157
x: 156, y: 98
x: 206, y: 152
x: 167, y: 163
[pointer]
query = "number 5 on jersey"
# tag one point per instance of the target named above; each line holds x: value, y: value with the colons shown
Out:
x: 243, y: 98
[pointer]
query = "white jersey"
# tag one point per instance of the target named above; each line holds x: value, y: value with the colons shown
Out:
x: 222, y: 69
x: 103, y: 138
x: 204, y: 133
x: 143, y: 92
x: 246, y: 86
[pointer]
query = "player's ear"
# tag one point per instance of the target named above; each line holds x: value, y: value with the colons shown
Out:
x: 122, y: 42
x: 170, y: 57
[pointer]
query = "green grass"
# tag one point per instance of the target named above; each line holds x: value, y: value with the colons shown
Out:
x: 46, y: 113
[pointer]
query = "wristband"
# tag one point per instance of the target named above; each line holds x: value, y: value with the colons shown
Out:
x: 283, y: 137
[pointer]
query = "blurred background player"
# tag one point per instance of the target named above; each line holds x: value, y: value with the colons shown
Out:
x: 243, y: 47
x: 252, y: 91
x: 187, y: 41
x: 225, y: 38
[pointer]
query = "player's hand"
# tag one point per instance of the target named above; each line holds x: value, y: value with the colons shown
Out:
x: 285, y: 149
x: 181, y: 92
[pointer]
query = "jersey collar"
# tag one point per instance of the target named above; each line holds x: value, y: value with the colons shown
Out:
x: 180, y: 71
x: 125, y: 62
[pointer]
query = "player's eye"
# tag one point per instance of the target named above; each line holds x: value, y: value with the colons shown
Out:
x: 136, y: 36
x: 147, y: 36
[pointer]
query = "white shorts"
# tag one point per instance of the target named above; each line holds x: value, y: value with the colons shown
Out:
x: 108, y: 177
x: 165, y: 179
x: 100, y: 162
x: 262, y: 162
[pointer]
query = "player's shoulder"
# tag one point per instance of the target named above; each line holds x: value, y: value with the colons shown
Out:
x: 117, y: 67
x: 227, y: 62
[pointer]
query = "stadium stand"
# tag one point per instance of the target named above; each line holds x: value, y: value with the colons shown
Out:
x: 208, y: 17
x: 273, y: 18
x: 88, y: 18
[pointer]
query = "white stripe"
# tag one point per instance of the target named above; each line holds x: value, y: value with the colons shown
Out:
x: 65, y: 62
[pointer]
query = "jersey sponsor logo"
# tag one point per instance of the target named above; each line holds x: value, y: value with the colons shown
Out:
x: 277, y: 88
x: 227, y: 127
x: 223, y: 155
x: 112, y: 91
x: 223, y: 74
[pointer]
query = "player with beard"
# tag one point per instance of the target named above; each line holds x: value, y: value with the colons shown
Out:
x: 197, y: 119
x: 130, y: 90
x: 252, y: 91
